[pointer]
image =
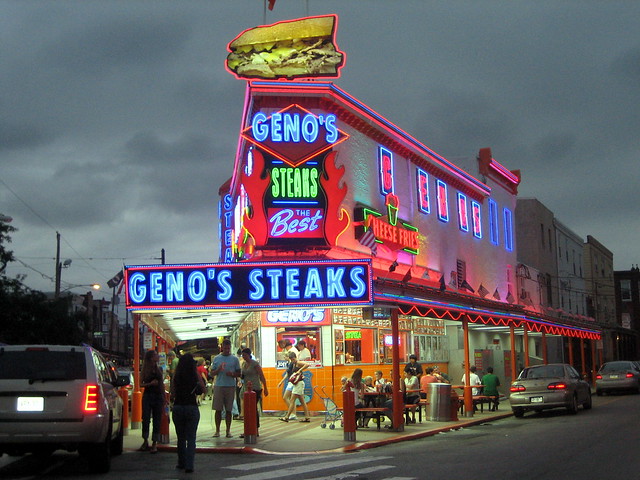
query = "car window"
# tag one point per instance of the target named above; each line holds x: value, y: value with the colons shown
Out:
x: 573, y: 373
x: 42, y: 365
x: 543, y: 372
x: 615, y: 367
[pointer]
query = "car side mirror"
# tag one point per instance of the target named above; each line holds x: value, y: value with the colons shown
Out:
x: 122, y: 381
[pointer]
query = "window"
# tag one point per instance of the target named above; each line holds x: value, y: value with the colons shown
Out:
x: 423, y: 191
x: 443, y: 204
x: 359, y: 345
x: 625, y: 290
x: 311, y: 336
x: 508, y: 229
x: 476, y: 215
x: 463, y: 213
x: 493, y: 222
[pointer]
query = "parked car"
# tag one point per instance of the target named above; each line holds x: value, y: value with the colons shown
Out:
x: 619, y: 375
x: 60, y: 397
x: 542, y: 387
x: 129, y: 374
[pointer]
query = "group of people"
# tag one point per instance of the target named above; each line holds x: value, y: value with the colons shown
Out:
x: 187, y: 385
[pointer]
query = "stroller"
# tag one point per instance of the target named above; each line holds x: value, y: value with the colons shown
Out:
x: 331, y: 411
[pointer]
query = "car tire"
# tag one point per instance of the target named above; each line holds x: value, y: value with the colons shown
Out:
x: 518, y: 412
x: 99, y: 455
x: 572, y: 408
x: 117, y: 444
x: 588, y: 403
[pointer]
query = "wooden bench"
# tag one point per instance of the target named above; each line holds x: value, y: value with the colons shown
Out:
x: 479, y: 400
x: 376, y: 412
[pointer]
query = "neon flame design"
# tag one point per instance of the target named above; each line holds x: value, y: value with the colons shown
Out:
x: 337, y: 217
x: 255, y: 218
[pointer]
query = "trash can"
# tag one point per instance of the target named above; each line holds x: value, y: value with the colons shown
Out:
x: 439, y: 402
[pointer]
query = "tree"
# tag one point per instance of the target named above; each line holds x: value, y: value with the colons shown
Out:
x: 28, y: 316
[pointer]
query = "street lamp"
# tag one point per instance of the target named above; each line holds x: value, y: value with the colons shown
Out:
x: 95, y: 286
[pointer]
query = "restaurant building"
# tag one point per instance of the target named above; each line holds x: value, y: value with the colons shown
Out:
x: 351, y: 235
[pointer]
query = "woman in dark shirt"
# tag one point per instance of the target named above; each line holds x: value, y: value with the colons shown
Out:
x: 153, y: 399
x: 186, y: 386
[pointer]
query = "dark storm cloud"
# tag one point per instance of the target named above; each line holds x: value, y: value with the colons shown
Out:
x: 118, y: 42
x: 17, y: 136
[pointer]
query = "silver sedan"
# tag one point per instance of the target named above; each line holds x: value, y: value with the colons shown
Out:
x: 619, y: 375
x: 542, y: 387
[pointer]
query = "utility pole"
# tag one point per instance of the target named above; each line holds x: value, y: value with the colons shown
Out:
x: 58, y: 266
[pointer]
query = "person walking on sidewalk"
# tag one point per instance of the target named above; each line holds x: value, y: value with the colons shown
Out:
x: 187, y: 382
x: 297, y: 389
x: 253, y: 375
x: 226, y: 369
x: 153, y: 400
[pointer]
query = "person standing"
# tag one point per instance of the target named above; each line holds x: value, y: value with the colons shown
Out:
x: 304, y: 354
x: 226, y: 369
x: 286, y: 394
x: 253, y: 375
x: 425, y: 380
x: 297, y: 389
x: 413, y: 366
x: 491, y: 383
x: 186, y: 414
x: 153, y: 400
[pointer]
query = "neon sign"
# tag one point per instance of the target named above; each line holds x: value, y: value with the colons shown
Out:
x: 226, y: 228
x: 463, y: 214
x: 392, y: 232
x: 385, y: 162
x: 313, y: 317
x: 352, y: 335
x: 249, y: 285
x: 443, y: 203
x: 423, y: 191
x: 293, y: 134
x: 476, y: 222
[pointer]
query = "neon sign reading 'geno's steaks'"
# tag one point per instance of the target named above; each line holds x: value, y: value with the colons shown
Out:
x: 250, y: 285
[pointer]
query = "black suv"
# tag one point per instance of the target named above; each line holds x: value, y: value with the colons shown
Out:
x: 60, y: 397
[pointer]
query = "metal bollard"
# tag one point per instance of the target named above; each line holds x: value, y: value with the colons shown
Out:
x: 136, y: 410
x: 349, y: 416
x: 164, y: 422
x: 124, y: 395
x: 455, y: 404
x: 250, y: 416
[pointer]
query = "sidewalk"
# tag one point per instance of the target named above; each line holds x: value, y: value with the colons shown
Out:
x: 278, y: 437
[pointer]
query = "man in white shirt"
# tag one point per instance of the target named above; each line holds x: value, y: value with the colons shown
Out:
x: 474, y: 379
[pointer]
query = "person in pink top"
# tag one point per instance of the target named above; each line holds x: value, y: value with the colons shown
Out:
x: 425, y: 380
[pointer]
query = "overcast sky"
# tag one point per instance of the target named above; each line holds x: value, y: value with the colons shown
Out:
x: 118, y: 120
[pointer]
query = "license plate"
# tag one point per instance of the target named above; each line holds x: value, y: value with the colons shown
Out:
x: 30, y: 404
x: 613, y: 377
x: 535, y: 399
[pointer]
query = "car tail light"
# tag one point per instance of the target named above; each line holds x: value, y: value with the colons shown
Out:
x: 629, y: 375
x: 598, y: 377
x: 557, y: 386
x: 517, y: 388
x: 91, y: 398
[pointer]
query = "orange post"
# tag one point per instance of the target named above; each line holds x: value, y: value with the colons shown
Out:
x: 250, y: 413
x: 349, y: 416
x: 455, y: 403
x: 398, y: 398
x: 124, y: 395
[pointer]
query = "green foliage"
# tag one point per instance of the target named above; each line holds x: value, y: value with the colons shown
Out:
x: 28, y: 316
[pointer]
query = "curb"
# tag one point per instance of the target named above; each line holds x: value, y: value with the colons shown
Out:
x: 346, y: 449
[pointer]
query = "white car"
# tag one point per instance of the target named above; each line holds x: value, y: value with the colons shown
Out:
x: 60, y: 397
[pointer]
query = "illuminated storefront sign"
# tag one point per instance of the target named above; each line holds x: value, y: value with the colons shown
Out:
x: 423, y: 191
x: 249, y: 285
x: 385, y: 163
x: 390, y: 231
x: 463, y: 213
x: 294, y: 134
x: 443, y: 202
x: 476, y: 219
x: 226, y: 228
x: 302, y: 317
